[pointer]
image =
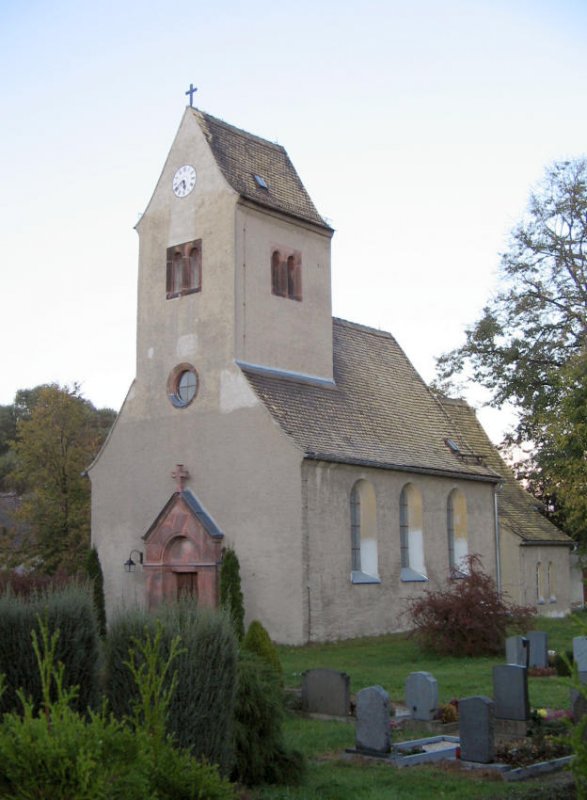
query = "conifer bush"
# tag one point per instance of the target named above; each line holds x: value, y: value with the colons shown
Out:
x: 231, y: 596
x: 68, y: 610
x: 469, y: 618
x: 56, y: 753
x: 201, y: 711
x: 261, y: 756
x: 94, y: 571
x: 258, y: 641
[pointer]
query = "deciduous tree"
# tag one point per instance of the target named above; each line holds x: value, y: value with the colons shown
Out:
x: 528, y: 343
x: 58, y: 435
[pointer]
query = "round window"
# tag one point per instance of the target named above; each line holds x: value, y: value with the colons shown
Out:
x: 182, y: 385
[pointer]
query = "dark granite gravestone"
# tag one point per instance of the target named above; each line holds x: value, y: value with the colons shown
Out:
x: 373, y: 732
x: 578, y: 705
x: 476, y: 729
x: 510, y: 692
x: 326, y: 691
x: 516, y: 650
x: 422, y: 695
x: 538, y: 649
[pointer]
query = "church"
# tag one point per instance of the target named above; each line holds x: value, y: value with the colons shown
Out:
x: 309, y: 445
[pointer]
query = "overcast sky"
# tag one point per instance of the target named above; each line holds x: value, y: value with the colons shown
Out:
x: 418, y: 127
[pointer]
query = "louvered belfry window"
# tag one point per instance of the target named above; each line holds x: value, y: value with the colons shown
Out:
x: 286, y: 273
x: 184, y: 268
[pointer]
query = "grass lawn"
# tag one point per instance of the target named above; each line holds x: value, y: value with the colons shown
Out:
x: 387, y: 661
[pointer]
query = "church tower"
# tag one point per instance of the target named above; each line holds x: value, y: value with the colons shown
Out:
x: 234, y: 281
x: 234, y: 268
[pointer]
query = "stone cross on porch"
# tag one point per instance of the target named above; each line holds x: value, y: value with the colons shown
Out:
x: 180, y: 474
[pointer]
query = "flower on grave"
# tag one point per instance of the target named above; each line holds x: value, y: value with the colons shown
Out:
x: 542, y: 713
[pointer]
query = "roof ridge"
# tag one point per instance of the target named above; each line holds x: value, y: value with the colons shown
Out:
x: 238, y: 131
x: 345, y: 323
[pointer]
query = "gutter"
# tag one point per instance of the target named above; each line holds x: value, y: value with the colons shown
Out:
x: 496, y: 490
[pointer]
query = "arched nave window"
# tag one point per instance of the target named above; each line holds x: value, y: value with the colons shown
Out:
x: 363, y: 507
x: 411, y: 534
x: 458, y: 535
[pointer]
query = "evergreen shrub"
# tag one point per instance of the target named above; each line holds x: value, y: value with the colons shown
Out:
x: 231, y: 596
x: 68, y: 610
x: 261, y: 756
x: 468, y: 618
x: 57, y: 754
x: 94, y: 572
x: 258, y: 641
x: 201, y: 711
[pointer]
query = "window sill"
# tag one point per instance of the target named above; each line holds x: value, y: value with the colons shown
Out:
x: 362, y: 577
x: 171, y: 295
x: 409, y: 575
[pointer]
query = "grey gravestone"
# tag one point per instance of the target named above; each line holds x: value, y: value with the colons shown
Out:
x: 580, y: 652
x: 476, y: 729
x: 516, y: 650
x: 326, y: 691
x: 422, y: 695
x: 510, y: 692
x: 372, y: 732
x: 538, y: 647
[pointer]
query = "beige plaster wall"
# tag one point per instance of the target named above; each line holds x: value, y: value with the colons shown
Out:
x: 253, y: 499
x: 338, y: 608
x: 278, y: 331
x: 199, y: 326
x: 511, y: 566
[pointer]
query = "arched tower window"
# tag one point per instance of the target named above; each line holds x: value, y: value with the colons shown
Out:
x: 363, y: 508
x: 277, y: 276
x: 184, y: 268
x: 286, y: 273
x: 411, y: 534
x: 457, y: 530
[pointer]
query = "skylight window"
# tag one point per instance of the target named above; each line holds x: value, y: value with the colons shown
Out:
x: 452, y: 445
x: 261, y: 182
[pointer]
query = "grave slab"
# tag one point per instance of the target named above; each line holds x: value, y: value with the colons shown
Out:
x: 476, y: 729
x: 510, y: 692
x: 538, y: 649
x: 326, y: 691
x: 516, y: 650
x: 422, y: 695
x: 373, y: 730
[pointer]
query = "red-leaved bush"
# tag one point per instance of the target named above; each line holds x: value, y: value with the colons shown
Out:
x: 469, y: 618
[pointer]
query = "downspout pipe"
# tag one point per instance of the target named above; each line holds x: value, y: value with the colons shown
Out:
x: 497, y: 536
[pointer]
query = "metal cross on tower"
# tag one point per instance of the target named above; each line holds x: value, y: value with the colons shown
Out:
x: 191, y: 91
x: 180, y: 474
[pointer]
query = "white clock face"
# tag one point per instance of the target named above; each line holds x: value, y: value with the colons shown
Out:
x: 184, y: 180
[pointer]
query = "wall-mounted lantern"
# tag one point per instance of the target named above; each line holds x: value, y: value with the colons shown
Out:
x: 130, y: 565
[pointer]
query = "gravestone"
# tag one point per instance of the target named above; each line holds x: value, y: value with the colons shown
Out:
x: 578, y: 705
x: 326, y: 691
x: 538, y: 649
x: 510, y: 692
x: 516, y: 650
x: 422, y: 695
x: 580, y: 656
x: 476, y: 729
x: 373, y: 730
